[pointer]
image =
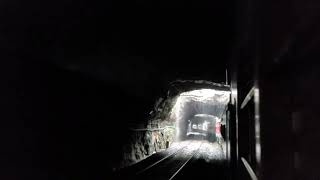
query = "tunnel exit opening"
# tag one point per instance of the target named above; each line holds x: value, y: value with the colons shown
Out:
x: 200, y: 115
x: 191, y: 118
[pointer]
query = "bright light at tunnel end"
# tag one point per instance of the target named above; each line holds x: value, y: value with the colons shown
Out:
x: 212, y: 95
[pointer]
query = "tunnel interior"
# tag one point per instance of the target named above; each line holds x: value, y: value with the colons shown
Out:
x: 169, y: 121
x: 84, y: 84
x: 81, y: 79
x: 200, y: 108
x: 188, y: 124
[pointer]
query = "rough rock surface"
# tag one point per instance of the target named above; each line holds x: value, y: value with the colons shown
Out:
x: 146, y: 142
x: 156, y: 136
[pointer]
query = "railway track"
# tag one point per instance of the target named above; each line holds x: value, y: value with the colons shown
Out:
x: 169, y: 166
x: 159, y: 161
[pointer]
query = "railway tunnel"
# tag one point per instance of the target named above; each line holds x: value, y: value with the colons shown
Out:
x: 160, y: 90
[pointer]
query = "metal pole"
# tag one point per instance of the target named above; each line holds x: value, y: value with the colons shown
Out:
x: 226, y: 76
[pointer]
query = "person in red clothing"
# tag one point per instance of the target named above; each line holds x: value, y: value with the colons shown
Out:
x: 218, y: 130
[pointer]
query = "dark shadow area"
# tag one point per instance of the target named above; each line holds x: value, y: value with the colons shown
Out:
x: 76, y: 76
x: 199, y: 168
x: 80, y: 82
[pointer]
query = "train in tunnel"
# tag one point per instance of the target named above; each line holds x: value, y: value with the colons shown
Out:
x: 206, y: 126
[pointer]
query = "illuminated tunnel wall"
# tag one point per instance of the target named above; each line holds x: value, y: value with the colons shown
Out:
x: 202, y: 101
x: 168, y: 117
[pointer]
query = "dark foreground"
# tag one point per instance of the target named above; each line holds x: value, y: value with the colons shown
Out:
x: 184, y: 160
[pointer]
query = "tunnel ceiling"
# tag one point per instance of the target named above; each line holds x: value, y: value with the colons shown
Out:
x: 202, y: 101
x: 179, y: 86
x: 76, y: 66
x: 138, y: 48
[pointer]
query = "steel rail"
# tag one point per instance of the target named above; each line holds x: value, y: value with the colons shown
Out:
x: 197, y: 151
x: 172, y: 154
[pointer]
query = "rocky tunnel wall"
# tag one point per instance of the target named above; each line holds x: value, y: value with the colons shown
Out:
x: 168, y: 121
x: 155, y: 135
